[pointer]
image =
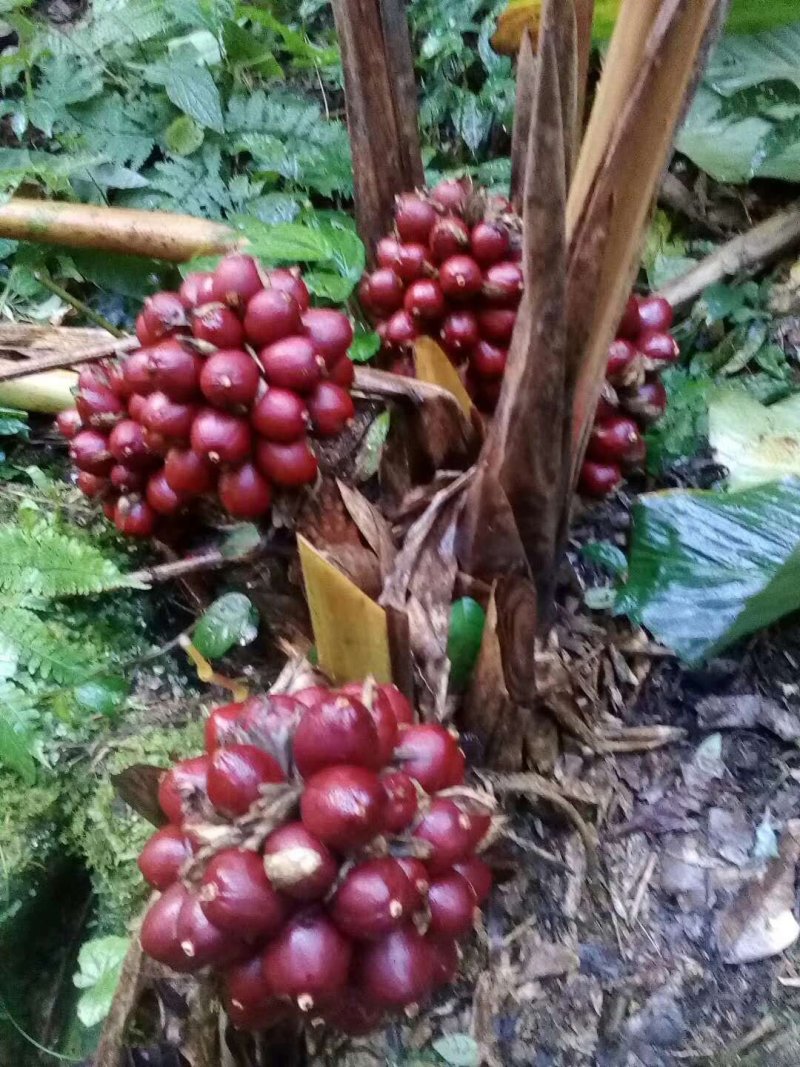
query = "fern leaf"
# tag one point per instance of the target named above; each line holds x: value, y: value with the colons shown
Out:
x: 45, y: 562
x: 44, y: 648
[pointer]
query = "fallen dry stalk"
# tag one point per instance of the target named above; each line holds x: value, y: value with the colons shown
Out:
x: 11, y: 371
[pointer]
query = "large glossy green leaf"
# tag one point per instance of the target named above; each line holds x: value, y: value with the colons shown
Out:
x: 755, y: 443
x: 231, y: 620
x: 708, y: 568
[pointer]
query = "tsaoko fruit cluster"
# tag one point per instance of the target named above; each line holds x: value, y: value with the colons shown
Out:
x: 633, y: 397
x: 234, y: 372
x: 320, y: 857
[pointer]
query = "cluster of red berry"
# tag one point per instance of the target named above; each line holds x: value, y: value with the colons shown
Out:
x: 451, y: 270
x: 233, y: 372
x: 353, y: 909
x: 633, y: 397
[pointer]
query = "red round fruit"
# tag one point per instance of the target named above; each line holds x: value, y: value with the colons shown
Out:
x: 127, y: 445
x: 459, y: 334
x: 298, y: 864
x: 490, y: 243
x: 338, y: 729
x: 449, y: 831
x: 161, y: 315
x: 182, y: 787
x: 331, y: 408
x: 385, y: 291
x: 412, y: 263
x: 202, y: 943
x: 400, y: 705
x: 374, y: 898
x: 445, y: 959
x: 99, y: 407
x: 401, y: 329
x: 647, y: 403
x: 308, y: 961
x: 414, y: 218
x: 271, y: 315
x: 424, y: 300
x: 69, y: 423
x: 452, y: 193
x: 417, y: 874
x: 134, y: 518
x: 460, y: 278
x: 236, y: 774
x: 655, y: 313
x: 280, y: 415
x: 137, y: 370
x: 175, y: 370
x: 247, y: 999
x: 380, y: 708
x: 163, y: 856
x: 236, y: 896
x: 497, y: 325
x: 607, y: 405
x: 244, y: 492
x: 401, y: 801
x: 488, y: 360
x: 397, y: 970
x: 292, y: 363
x: 109, y: 508
x: 477, y: 875
x: 343, y: 806
x: 623, y: 362
x: 221, y: 726
x: 94, y: 376
x: 221, y: 438
x: 387, y: 252
x: 218, y: 325
x: 196, y: 288
x: 136, y: 403
x: 449, y: 237
x: 91, y: 485
x: 631, y: 325
x: 331, y: 331
x: 187, y: 473
x: 170, y: 420
x: 503, y: 284
x: 452, y: 906
x: 430, y: 754
x: 236, y: 280
x: 89, y: 451
x: 159, y: 933
x: 599, y: 479
x: 127, y: 480
x: 660, y: 348
x: 161, y: 497
x: 287, y: 281
x: 289, y: 465
x: 311, y: 695
x: 270, y: 722
x: 613, y: 441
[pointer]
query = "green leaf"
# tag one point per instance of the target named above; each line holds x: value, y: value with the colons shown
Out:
x: 13, y: 423
x: 45, y: 562
x: 755, y: 443
x: 707, y: 568
x: 285, y: 242
x: 104, y: 695
x: 370, y: 452
x: 241, y: 540
x: 184, y: 136
x: 683, y: 427
x: 327, y: 286
x: 606, y: 555
x: 231, y: 620
x: 366, y: 344
x: 16, y: 747
x: 99, y: 968
x: 133, y: 276
x: 459, y: 1050
x: 467, y: 620
x: 192, y: 89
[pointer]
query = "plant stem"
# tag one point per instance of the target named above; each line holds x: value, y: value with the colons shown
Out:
x: 43, y: 278
x: 9, y: 370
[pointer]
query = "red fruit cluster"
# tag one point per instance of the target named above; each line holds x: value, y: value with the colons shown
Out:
x: 351, y: 903
x: 233, y: 373
x: 450, y: 270
x: 633, y: 397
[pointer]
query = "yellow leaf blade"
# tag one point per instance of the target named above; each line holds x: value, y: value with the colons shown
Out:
x: 519, y: 16
x: 433, y: 367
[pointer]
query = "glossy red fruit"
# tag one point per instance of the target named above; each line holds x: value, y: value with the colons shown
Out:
x: 236, y: 896
x: 599, y: 479
x: 220, y: 437
x: 661, y: 349
x: 247, y: 999
x: 400, y: 705
x: 280, y: 415
x: 656, y: 313
x: 287, y: 281
x: 127, y: 445
x: 460, y: 278
x: 271, y: 315
x: 374, y: 898
x: 497, y: 325
x: 163, y: 856
x: 452, y: 906
x: 385, y: 291
x: 607, y: 405
x: 236, y: 774
x: 159, y: 932
x: 459, y: 334
x: 488, y: 360
x: 477, y: 875
x: 648, y: 402
x: 401, y: 801
x: 134, y: 518
x: 175, y: 370
x: 92, y: 486
x: 452, y: 193
x: 380, y: 708
x: 396, y: 971
x: 127, y: 480
x: 449, y: 831
x: 236, y: 280
x: 167, y: 418
x: 270, y: 721
x: 161, y: 497
x: 89, y: 451
x: 202, y: 943
x: 161, y: 315
x: 424, y: 300
x: 110, y: 507
x: 292, y: 363
x: 196, y: 288
x: 187, y: 473
x: 624, y: 364
x: 308, y: 960
x: 417, y: 874
x: 387, y: 252
x: 331, y: 332
x: 94, y: 376
x: 311, y: 695
x: 289, y: 465
x: 449, y: 237
x: 430, y: 754
x: 218, y: 325
x: 331, y: 408
x: 298, y: 864
x: 99, y: 407
x: 446, y: 958
x: 412, y: 263
x: 137, y: 370
x: 489, y: 243
x: 182, y: 787
x: 503, y: 284
x: 631, y: 325
x: 414, y: 218
x: 222, y: 725
x: 244, y: 492
x: 337, y: 730
x: 69, y: 423
x: 613, y: 441
x: 401, y: 330
x: 343, y: 806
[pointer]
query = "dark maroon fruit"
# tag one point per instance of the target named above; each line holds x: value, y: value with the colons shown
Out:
x: 452, y: 906
x: 244, y: 492
x: 218, y: 325
x: 89, y: 451
x: 290, y: 465
x: 445, y: 958
x: 161, y: 315
x: 110, y: 507
x: 449, y: 831
x: 631, y: 325
x: 489, y: 243
x: 280, y: 415
x: 69, y: 423
x: 270, y: 721
x: 138, y: 372
x: 331, y: 408
x: 661, y: 349
x: 374, y: 898
x: 655, y: 313
x: 380, y: 708
x: 163, y: 856
x: 236, y: 280
x: 292, y: 363
x: 488, y: 360
x: 167, y: 418
x: 460, y: 278
x: 401, y: 801
x: 159, y: 932
x: 430, y: 754
x: 337, y: 730
x: 100, y: 407
x: 607, y: 405
x: 187, y: 473
x: 161, y: 497
x: 599, y: 479
x: 220, y: 437
x: 287, y: 281
x: 343, y: 806
x: 477, y: 875
x: 449, y: 237
x: 459, y: 334
x: 236, y: 896
x: 182, y: 786
x: 385, y: 291
x: 624, y: 365
x: 400, y: 705
x: 127, y: 445
x: 94, y: 376
x: 196, y: 289
x: 134, y: 518
x: 91, y: 485
x: 647, y: 403
x: 202, y: 943
x: 401, y: 329
x: 497, y: 325
x: 247, y: 999
x: 397, y: 970
x: 424, y: 300
x: 221, y: 725
x: 452, y: 193
x: 387, y: 252
x: 236, y: 774
x: 613, y: 441
x: 331, y: 332
x: 417, y: 874
x: 308, y: 960
x: 502, y: 285
x: 415, y: 218
x: 412, y: 263
x: 298, y: 864
x: 271, y: 315
x: 175, y: 370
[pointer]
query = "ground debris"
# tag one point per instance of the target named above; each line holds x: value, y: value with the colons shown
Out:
x: 746, y: 711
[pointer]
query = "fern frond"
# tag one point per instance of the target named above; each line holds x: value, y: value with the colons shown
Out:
x: 46, y: 562
x: 44, y: 648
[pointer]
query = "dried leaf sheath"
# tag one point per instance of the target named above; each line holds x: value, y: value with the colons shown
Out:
x: 526, y: 89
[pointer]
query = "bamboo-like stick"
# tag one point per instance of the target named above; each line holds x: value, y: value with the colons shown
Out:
x: 46, y: 393
x: 14, y: 370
